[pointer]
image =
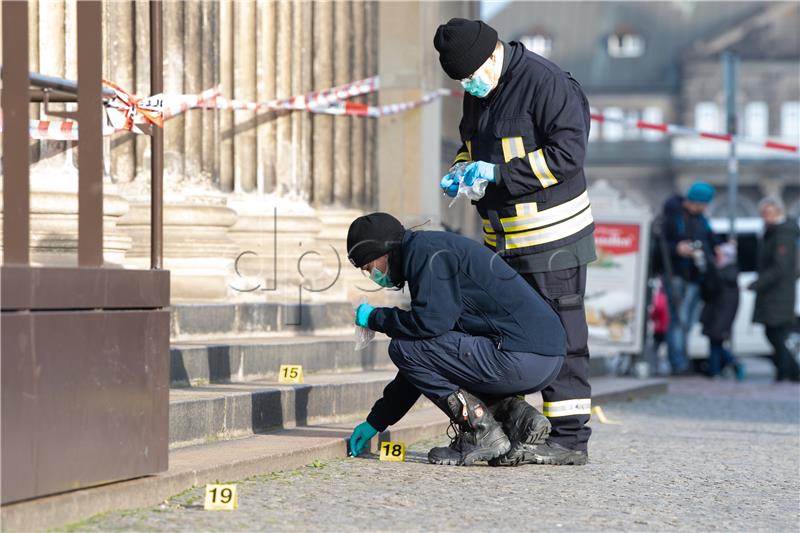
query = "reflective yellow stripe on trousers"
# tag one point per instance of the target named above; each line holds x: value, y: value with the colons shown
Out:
x: 581, y: 406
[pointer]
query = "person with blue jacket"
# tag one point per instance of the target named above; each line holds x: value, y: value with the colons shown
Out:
x: 476, y: 336
x: 691, y: 244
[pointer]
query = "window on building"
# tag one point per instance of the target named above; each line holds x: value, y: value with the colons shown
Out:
x: 594, y: 127
x: 625, y: 44
x: 707, y: 117
x: 613, y: 130
x: 756, y: 120
x: 790, y: 122
x: 654, y: 115
x: 631, y: 133
x: 538, y: 43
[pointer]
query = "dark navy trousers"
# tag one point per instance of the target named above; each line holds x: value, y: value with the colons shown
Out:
x: 439, y: 366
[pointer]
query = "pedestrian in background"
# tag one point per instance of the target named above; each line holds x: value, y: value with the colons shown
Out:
x: 690, y: 243
x: 775, y: 287
x: 721, y: 301
x: 659, y: 317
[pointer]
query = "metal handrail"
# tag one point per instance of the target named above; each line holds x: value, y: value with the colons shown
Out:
x: 65, y: 90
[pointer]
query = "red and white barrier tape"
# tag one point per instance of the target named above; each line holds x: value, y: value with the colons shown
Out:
x: 672, y: 129
x: 363, y: 110
x: 305, y: 102
x: 126, y: 112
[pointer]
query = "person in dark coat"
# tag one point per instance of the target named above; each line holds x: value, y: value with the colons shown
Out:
x: 776, y: 284
x: 721, y: 297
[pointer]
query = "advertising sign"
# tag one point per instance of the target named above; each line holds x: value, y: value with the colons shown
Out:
x: 615, y: 287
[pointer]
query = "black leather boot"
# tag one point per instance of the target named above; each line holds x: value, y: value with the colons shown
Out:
x: 523, y: 424
x: 549, y: 453
x: 478, y: 436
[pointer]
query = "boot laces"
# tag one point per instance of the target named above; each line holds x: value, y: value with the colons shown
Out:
x: 456, y: 433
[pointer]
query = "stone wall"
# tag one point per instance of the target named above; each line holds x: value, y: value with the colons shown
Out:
x: 227, y: 174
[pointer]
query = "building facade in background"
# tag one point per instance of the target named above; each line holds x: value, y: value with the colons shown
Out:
x: 660, y: 62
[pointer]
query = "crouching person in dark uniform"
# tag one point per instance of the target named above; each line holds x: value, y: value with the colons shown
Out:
x: 476, y: 336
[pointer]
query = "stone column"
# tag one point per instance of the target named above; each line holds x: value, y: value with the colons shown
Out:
x: 285, y: 150
x: 33, y: 62
x: 118, y: 27
x: 226, y: 82
x: 142, y: 75
x: 198, y: 250
x: 174, y: 129
x: 52, y: 44
x: 193, y: 78
x: 370, y: 163
x: 265, y: 66
x: 409, y: 148
x: 244, y: 74
x: 358, y: 123
x: 297, y: 59
x: 306, y: 84
x: 342, y: 73
x: 209, y: 52
x: 323, y: 124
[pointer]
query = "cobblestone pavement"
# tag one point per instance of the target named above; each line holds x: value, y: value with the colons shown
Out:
x: 707, y: 456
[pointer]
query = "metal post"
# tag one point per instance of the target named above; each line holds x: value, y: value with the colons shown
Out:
x: 157, y: 141
x: 729, y: 69
x: 90, y: 147
x: 16, y: 178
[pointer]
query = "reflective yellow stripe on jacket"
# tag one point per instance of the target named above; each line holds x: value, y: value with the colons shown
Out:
x: 531, y: 227
x: 464, y: 156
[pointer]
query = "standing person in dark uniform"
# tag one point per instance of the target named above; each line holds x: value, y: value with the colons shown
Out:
x: 524, y: 129
x: 776, y: 284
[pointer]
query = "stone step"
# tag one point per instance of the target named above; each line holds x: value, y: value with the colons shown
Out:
x: 200, y: 415
x: 215, y: 412
x: 200, y: 362
x: 191, y: 321
x: 231, y: 460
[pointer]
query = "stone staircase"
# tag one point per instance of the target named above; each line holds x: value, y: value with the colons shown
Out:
x: 224, y: 364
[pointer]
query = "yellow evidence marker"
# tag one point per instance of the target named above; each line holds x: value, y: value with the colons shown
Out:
x: 290, y: 374
x: 221, y: 498
x: 393, y: 451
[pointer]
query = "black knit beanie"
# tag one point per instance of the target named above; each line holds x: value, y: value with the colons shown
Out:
x: 372, y: 236
x: 464, y: 45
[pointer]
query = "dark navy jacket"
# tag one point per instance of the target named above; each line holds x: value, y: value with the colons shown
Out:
x: 458, y: 284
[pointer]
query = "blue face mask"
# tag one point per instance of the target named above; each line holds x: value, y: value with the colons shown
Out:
x: 380, y: 278
x: 476, y: 86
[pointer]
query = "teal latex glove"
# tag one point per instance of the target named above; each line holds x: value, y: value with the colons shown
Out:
x: 478, y: 170
x: 360, y: 437
x: 449, y: 184
x: 362, y: 315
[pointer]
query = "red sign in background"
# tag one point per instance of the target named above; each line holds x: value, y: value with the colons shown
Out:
x: 617, y: 239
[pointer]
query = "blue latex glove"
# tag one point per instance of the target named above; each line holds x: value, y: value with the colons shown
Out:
x: 449, y: 184
x: 362, y: 315
x: 360, y: 437
x: 478, y: 170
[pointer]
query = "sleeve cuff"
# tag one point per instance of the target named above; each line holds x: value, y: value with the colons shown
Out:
x: 375, y: 421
